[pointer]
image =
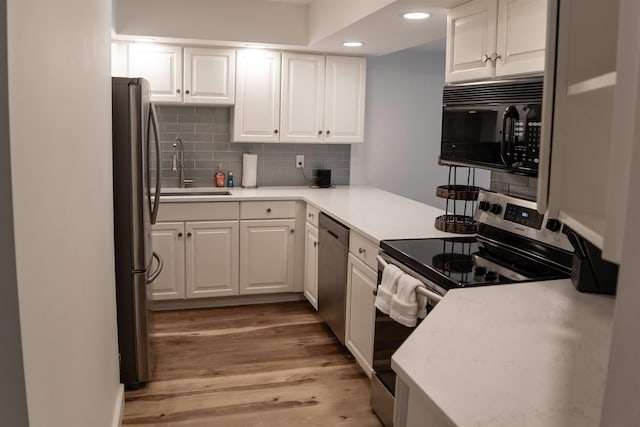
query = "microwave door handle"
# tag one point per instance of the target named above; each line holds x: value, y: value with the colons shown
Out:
x: 508, y: 133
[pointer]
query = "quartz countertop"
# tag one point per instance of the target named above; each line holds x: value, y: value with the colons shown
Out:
x: 374, y: 213
x: 529, y: 354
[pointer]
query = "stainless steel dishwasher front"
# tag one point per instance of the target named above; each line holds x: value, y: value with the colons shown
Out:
x: 333, y: 239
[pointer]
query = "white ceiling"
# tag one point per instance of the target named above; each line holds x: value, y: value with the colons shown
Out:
x: 298, y: 25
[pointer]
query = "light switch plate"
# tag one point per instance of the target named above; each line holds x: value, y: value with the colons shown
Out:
x: 299, y: 161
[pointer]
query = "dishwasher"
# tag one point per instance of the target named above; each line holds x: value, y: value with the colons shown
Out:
x: 333, y: 239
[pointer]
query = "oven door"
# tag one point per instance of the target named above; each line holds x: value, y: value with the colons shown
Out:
x: 388, y: 337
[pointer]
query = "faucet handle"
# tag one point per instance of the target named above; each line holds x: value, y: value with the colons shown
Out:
x: 174, y: 163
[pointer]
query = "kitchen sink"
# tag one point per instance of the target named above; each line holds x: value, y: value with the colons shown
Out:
x: 197, y: 193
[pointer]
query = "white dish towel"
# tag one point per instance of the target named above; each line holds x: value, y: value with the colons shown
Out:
x: 404, y: 304
x: 387, y: 288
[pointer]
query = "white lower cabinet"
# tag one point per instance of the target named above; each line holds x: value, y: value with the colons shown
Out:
x: 311, y: 265
x: 361, y: 313
x: 212, y: 259
x: 267, y: 256
x: 168, y: 242
x: 200, y: 259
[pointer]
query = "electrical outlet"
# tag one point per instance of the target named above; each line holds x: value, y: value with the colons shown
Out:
x: 299, y: 161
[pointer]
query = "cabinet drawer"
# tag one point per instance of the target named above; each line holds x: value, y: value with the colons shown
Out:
x: 199, y: 211
x: 363, y: 249
x: 268, y: 210
x: 312, y: 214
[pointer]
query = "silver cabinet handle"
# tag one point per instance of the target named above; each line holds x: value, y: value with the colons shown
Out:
x: 153, y: 276
x: 362, y: 251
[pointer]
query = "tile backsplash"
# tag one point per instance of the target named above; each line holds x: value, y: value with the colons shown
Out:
x: 205, y: 132
x: 524, y: 187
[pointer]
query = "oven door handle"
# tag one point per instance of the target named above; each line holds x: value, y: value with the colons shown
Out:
x: 422, y: 290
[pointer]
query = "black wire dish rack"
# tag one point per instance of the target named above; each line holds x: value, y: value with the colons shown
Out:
x: 461, y: 203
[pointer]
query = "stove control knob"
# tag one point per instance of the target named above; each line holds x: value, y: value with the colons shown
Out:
x: 496, y: 208
x: 553, y: 225
x: 491, y: 276
x: 483, y: 205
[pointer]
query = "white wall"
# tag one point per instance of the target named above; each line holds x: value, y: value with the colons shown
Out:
x: 60, y: 134
x: 226, y: 20
x: 403, y: 127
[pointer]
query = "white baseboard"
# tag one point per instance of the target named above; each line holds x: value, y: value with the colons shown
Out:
x: 226, y: 301
x: 118, y: 410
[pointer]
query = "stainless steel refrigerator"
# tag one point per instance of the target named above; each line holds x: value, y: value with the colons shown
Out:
x: 136, y: 154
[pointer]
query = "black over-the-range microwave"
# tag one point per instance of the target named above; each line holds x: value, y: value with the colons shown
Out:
x: 494, y: 125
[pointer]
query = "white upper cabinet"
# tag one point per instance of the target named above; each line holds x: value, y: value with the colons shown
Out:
x: 257, y: 111
x: 209, y: 76
x: 344, y: 99
x: 161, y: 65
x: 302, y: 106
x: 522, y: 28
x: 471, y: 40
x: 319, y: 99
x: 495, y: 38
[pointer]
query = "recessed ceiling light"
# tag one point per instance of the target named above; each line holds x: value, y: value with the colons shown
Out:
x: 256, y: 46
x: 352, y: 44
x: 415, y: 15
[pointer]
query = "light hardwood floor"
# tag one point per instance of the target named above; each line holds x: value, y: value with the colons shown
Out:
x: 263, y: 365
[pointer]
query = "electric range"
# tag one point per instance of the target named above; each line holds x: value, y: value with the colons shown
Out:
x: 515, y: 243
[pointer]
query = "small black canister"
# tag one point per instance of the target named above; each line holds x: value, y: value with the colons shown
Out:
x: 323, y: 178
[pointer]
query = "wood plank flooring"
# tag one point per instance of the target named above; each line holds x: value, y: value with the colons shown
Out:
x: 262, y: 365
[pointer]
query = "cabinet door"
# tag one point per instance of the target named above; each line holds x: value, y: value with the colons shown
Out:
x: 161, y: 65
x: 344, y: 99
x: 209, y: 76
x: 168, y: 242
x: 212, y: 258
x: 266, y: 256
x: 256, y: 115
x: 471, y: 39
x: 522, y: 26
x: 361, y: 313
x: 311, y: 265
x: 302, y: 103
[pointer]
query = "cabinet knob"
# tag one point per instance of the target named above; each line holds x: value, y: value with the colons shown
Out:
x: 315, y: 244
x: 319, y: 132
x: 275, y: 131
x: 494, y: 56
x: 310, y: 215
x: 188, y: 234
x: 177, y: 90
x: 268, y: 210
x: 187, y: 91
x: 292, y: 231
x: 484, y: 58
x: 179, y: 234
x: 362, y: 251
x: 328, y: 132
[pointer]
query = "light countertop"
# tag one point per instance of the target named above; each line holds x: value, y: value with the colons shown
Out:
x: 530, y: 354
x: 375, y: 213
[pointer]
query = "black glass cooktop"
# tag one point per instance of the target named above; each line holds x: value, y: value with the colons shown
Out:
x: 467, y: 261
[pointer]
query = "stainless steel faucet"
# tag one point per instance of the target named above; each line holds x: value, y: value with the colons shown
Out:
x: 177, y: 165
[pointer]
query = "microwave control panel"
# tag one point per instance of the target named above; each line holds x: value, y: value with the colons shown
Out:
x: 526, y: 152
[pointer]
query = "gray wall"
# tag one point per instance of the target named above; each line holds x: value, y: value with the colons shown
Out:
x: 13, y: 397
x: 403, y: 127
x: 205, y: 132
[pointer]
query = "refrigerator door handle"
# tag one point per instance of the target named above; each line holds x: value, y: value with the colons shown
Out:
x: 153, y: 276
x: 156, y: 203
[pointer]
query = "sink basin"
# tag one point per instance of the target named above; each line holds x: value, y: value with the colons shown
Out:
x: 196, y: 193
